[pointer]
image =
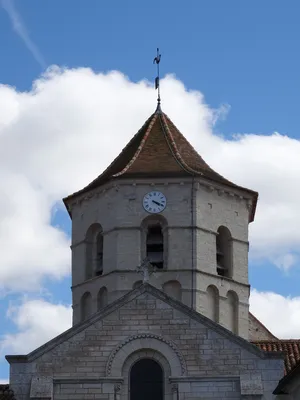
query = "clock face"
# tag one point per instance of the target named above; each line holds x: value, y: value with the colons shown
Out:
x: 154, y: 202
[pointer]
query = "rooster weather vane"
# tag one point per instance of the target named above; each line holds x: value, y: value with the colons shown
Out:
x: 157, y: 61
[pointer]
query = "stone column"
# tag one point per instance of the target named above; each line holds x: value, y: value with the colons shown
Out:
x: 175, y: 392
x: 117, y: 391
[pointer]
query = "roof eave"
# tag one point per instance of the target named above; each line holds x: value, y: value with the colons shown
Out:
x: 90, y: 187
x: 280, y: 388
x: 109, y: 173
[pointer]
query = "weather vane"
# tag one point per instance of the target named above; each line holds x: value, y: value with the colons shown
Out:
x: 157, y: 61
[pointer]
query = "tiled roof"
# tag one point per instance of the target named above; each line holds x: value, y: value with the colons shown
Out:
x: 160, y: 150
x: 290, y: 347
x: 6, y: 393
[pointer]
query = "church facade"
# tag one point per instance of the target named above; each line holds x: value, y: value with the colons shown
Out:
x: 160, y: 288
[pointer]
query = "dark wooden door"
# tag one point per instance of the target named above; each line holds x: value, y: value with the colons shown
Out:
x: 146, y: 380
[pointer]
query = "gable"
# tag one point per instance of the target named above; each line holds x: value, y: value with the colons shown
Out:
x: 145, y: 323
x: 150, y: 310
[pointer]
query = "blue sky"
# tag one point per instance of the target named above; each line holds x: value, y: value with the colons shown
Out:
x: 236, y: 53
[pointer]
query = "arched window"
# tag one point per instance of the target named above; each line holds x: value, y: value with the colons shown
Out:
x: 212, y: 295
x: 154, y: 243
x: 86, y: 306
x: 155, y: 246
x: 233, y: 310
x: 173, y: 289
x: 224, y: 252
x: 94, y: 251
x: 102, y: 298
x: 99, y: 254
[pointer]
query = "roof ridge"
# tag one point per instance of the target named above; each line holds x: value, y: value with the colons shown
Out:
x: 123, y: 150
x: 159, y: 150
x: 191, y: 146
x: 177, y: 154
x: 141, y: 146
x: 168, y: 136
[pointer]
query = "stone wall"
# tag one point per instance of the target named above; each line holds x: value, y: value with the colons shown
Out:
x: 192, y: 217
x: 257, y: 331
x: 194, y: 350
x: 102, y: 390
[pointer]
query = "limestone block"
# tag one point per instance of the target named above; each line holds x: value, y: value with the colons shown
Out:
x: 41, y: 387
x: 251, y: 384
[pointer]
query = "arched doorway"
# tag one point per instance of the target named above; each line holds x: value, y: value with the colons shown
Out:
x: 146, y: 380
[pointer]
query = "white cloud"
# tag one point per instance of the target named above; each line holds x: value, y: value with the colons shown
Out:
x: 30, y: 246
x: 21, y: 30
x: 281, y: 315
x: 270, y: 165
x: 37, y: 321
x: 60, y: 135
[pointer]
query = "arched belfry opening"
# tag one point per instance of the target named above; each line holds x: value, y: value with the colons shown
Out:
x: 146, y: 380
x: 154, y: 240
x: 94, y: 251
x: 155, y: 246
x: 102, y: 298
x: 86, y: 305
x: 212, y: 295
x: 173, y: 289
x: 233, y: 311
x: 99, y: 254
x: 224, y: 252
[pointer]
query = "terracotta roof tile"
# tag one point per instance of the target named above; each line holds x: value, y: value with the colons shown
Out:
x: 154, y: 153
x: 6, y: 393
x: 159, y: 150
x: 290, y: 347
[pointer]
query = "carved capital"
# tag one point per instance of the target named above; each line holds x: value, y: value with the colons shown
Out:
x: 175, y: 392
x: 117, y: 387
x: 174, y: 388
x: 117, y: 390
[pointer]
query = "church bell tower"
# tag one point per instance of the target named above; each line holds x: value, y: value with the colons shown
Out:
x: 159, y: 201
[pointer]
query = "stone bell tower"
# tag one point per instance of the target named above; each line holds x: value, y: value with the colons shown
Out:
x: 160, y: 201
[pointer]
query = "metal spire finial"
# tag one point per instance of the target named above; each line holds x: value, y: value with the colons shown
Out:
x: 157, y: 86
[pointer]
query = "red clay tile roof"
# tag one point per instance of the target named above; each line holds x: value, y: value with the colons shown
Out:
x: 160, y: 150
x: 283, y: 385
x: 6, y: 393
x: 290, y: 347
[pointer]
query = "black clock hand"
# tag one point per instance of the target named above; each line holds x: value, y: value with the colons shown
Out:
x: 156, y: 202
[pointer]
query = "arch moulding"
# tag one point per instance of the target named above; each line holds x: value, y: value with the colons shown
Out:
x: 145, y: 341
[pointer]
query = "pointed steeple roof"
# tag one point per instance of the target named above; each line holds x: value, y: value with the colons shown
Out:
x: 159, y: 150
